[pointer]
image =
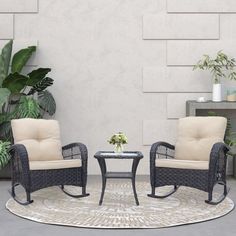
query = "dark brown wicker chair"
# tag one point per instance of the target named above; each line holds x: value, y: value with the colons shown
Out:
x: 198, y: 160
x: 38, y: 161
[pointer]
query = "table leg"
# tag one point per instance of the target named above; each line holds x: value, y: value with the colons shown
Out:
x: 134, y: 168
x: 102, y: 165
x: 104, y: 181
x: 134, y: 190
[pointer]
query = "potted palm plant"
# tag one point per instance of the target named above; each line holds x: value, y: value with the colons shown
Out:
x: 21, y: 95
x: 221, y: 66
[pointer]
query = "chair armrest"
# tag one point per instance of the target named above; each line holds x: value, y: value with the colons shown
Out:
x: 217, y: 163
x: 156, y: 151
x: 76, y: 151
x: 218, y: 154
x: 20, y: 164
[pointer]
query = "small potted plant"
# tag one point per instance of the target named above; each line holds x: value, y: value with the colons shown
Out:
x: 220, y: 67
x: 118, y: 140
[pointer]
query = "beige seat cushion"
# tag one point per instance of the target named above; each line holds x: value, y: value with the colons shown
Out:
x: 48, y: 165
x: 40, y: 137
x: 197, y: 135
x: 182, y: 164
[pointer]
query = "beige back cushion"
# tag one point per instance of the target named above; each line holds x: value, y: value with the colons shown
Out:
x: 196, y: 136
x: 40, y: 137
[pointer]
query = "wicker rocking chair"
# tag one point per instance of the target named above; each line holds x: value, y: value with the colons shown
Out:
x: 197, y: 160
x: 38, y: 161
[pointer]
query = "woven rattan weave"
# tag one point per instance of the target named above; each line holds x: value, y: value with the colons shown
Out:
x: 33, y: 180
x: 201, y: 179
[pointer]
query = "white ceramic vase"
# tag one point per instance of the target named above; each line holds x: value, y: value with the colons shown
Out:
x: 216, y: 93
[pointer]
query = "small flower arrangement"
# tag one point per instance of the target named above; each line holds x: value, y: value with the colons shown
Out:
x: 118, y: 140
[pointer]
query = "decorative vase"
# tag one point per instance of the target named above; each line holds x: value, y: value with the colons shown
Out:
x: 231, y: 95
x: 119, y: 148
x: 231, y: 98
x: 216, y: 93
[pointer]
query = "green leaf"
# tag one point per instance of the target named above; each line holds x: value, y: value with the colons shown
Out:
x: 47, y: 102
x: 15, y: 82
x: 212, y: 113
x: 5, y: 130
x: 221, y: 66
x: 4, y: 94
x: 4, y: 117
x: 4, y: 153
x: 41, y: 85
x: 28, y: 108
x: 37, y: 75
x: 6, y: 55
x: 2, y: 70
x: 21, y: 58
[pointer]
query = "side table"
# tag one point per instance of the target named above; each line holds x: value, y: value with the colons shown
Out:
x: 101, y: 156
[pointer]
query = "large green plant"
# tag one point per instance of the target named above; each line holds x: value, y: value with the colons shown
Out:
x: 220, y: 67
x: 4, y: 153
x: 22, y: 95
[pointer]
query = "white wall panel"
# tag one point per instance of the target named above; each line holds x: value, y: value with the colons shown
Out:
x: 175, y: 79
x: 6, y: 26
x: 176, y: 103
x: 181, y: 26
x: 197, y: 6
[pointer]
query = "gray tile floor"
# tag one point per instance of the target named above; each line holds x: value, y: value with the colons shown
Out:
x: 11, y: 225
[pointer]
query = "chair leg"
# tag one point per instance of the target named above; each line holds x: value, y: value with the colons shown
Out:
x: 28, y: 196
x: 220, y: 198
x: 153, y: 195
x: 83, y: 190
x: 84, y: 194
x: 226, y: 190
x: 209, y: 197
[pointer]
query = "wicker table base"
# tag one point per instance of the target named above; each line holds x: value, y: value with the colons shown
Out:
x: 102, y: 156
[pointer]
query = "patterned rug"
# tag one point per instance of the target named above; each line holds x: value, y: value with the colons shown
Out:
x: 186, y: 206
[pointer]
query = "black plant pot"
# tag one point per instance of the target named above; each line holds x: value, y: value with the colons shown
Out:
x: 5, y: 173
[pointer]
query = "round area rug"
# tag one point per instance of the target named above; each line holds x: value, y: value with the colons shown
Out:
x: 186, y: 206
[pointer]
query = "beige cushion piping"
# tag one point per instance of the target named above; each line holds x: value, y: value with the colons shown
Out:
x: 49, y: 165
x: 182, y: 164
